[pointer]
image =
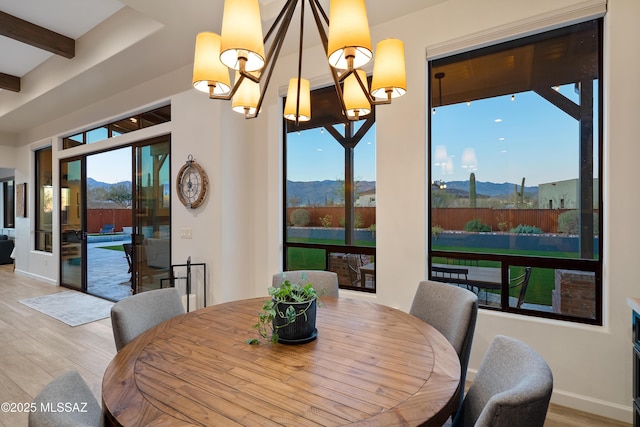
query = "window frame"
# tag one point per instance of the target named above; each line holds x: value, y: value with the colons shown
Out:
x: 584, y: 265
x: 349, y: 247
x: 8, y: 203
x: 43, y: 239
x: 134, y: 122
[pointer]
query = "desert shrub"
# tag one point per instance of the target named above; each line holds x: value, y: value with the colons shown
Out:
x: 476, y: 225
x: 358, y: 222
x: 300, y: 217
x: 569, y: 222
x: 326, y: 220
x: 526, y: 229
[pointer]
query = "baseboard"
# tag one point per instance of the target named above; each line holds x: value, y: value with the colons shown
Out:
x: 37, y: 277
x: 584, y: 403
x: 593, y: 406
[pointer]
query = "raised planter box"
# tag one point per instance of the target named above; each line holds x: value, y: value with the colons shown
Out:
x: 526, y: 242
x: 328, y: 233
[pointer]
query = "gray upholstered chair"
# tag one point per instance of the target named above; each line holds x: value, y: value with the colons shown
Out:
x: 452, y: 311
x: 67, y: 389
x: 512, y: 388
x: 135, y: 314
x: 327, y: 280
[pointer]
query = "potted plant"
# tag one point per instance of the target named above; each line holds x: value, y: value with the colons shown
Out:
x: 289, y: 317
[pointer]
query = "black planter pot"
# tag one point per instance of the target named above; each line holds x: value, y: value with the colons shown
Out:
x: 303, y: 329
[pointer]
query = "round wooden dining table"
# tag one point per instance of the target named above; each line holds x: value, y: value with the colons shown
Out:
x: 371, y: 365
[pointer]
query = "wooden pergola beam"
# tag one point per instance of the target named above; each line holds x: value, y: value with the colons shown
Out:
x: 9, y: 82
x: 37, y: 36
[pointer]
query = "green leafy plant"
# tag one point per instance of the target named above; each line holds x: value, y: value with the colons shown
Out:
x: 435, y: 231
x: 300, y: 217
x: 372, y: 229
x: 476, y: 225
x: 526, y: 229
x: 287, y: 292
x: 358, y: 222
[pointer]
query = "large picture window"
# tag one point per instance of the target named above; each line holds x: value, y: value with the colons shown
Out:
x: 515, y: 171
x: 329, y: 190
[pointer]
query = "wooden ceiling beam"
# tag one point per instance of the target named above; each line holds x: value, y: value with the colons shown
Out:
x: 9, y: 82
x: 34, y: 35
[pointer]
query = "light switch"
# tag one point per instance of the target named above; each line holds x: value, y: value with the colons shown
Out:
x: 185, y: 233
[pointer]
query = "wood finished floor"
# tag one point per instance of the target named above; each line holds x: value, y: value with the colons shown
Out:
x: 35, y: 348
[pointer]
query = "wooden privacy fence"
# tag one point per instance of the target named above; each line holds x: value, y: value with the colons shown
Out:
x: 97, y: 218
x: 497, y: 219
x: 335, y: 214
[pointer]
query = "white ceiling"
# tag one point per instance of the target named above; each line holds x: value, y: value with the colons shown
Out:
x: 119, y: 44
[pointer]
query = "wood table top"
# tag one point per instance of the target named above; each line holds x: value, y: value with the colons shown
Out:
x: 371, y: 365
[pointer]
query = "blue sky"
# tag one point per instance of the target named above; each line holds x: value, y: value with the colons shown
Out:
x: 314, y: 155
x: 527, y: 137
x: 506, y: 136
x: 110, y: 166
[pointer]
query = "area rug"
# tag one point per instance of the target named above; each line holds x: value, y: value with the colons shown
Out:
x: 72, y: 308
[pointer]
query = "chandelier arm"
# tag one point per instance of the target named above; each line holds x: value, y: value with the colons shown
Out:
x: 336, y: 83
x: 278, y: 19
x: 371, y: 98
x: 321, y: 9
x: 234, y: 89
x: 300, y: 63
x: 274, y: 51
x: 321, y: 31
x: 316, y: 8
x: 281, y: 33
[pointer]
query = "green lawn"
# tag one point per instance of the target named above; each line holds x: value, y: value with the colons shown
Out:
x: 112, y: 247
x: 313, y: 259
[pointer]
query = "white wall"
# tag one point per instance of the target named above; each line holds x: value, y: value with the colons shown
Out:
x: 237, y: 231
x: 591, y: 365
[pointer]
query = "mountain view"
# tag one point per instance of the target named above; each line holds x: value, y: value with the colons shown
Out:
x: 321, y: 193
x: 103, y: 195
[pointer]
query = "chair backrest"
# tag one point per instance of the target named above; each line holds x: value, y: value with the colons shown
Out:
x: 354, y: 262
x: 522, y: 282
x: 133, y: 315
x: 324, y: 282
x: 453, y: 312
x: 512, y: 388
x: 69, y: 388
x: 128, y: 253
x: 107, y: 228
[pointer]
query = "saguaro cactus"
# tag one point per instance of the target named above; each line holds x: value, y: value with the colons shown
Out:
x: 519, y: 195
x: 472, y: 190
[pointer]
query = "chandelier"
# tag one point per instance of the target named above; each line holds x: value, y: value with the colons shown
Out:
x: 240, y: 49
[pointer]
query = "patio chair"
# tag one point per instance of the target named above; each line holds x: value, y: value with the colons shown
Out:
x: 354, y: 262
x: 107, y: 229
x: 522, y: 281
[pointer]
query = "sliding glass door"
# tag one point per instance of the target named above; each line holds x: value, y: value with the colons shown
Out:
x: 115, y: 220
x: 72, y: 228
x: 152, y: 215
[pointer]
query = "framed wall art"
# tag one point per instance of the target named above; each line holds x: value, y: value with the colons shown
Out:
x: 21, y: 200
